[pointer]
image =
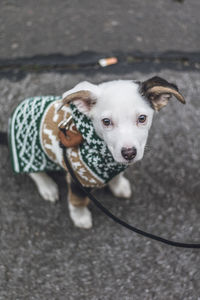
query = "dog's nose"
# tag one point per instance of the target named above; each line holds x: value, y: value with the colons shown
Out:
x: 129, y: 153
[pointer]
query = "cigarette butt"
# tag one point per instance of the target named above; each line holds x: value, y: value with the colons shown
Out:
x: 104, y: 62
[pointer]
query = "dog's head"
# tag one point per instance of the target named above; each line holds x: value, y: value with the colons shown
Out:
x: 122, y: 111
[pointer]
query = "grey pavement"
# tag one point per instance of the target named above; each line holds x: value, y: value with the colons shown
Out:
x: 43, y: 256
x: 43, y: 27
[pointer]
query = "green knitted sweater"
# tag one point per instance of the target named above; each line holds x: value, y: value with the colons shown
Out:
x: 26, y: 149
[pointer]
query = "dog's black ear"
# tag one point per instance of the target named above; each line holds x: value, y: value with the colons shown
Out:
x: 84, y: 100
x: 158, y: 91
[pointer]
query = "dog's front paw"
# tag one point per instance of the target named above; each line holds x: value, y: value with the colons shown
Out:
x: 49, y: 191
x: 81, y: 216
x: 122, y: 188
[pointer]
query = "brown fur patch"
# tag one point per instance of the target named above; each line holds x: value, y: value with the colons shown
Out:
x: 159, y: 90
x: 84, y: 95
x: 74, y: 199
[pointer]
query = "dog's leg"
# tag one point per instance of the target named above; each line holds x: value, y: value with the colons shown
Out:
x: 77, y: 201
x: 120, y: 186
x: 47, y: 188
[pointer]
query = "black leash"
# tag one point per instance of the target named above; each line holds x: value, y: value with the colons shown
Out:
x: 4, y: 141
x: 119, y: 221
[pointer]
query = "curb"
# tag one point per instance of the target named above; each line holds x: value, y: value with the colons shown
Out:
x: 89, y: 61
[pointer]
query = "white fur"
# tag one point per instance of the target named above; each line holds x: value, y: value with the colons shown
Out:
x: 81, y: 216
x: 121, y: 102
x: 47, y: 188
x: 120, y: 186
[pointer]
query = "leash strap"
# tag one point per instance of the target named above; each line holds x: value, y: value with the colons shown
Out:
x: 121, y: 222
x: 3, y: 141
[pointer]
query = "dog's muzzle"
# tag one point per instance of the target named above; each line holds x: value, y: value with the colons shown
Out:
x: 129, y: 153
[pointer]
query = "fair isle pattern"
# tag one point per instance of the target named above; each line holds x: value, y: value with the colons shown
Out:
x: 83, y: 173
x: 50, y: 142
x: 93, y: 151
x: 34, y: 143
x: 24, y: 136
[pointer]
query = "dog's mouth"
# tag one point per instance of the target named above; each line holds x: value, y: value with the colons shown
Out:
x: 125, y: 162
x: 129, y: 162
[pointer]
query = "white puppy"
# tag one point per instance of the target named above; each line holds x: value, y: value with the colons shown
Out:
x: 121, y: 112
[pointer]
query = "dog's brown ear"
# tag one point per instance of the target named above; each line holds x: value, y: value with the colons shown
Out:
x: 84, y: 100
x: 158, y: 91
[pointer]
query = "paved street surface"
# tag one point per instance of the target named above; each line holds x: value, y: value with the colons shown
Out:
x: 42, y: 255
x: 31, y: 27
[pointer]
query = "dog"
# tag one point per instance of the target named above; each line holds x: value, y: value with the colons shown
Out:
x: 110, y: 121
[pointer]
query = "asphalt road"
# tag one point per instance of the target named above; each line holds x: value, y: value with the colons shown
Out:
x: 42, y: 255
x: 28, y: 28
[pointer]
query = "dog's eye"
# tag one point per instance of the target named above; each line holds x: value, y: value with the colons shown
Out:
x: 142, y: 119
x: 106, y: 122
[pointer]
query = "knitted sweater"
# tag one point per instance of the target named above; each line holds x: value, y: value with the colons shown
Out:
x: 34, y: 143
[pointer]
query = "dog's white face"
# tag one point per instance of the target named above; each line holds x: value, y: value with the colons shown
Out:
x: 121, y: 115
x: 122, y: 118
